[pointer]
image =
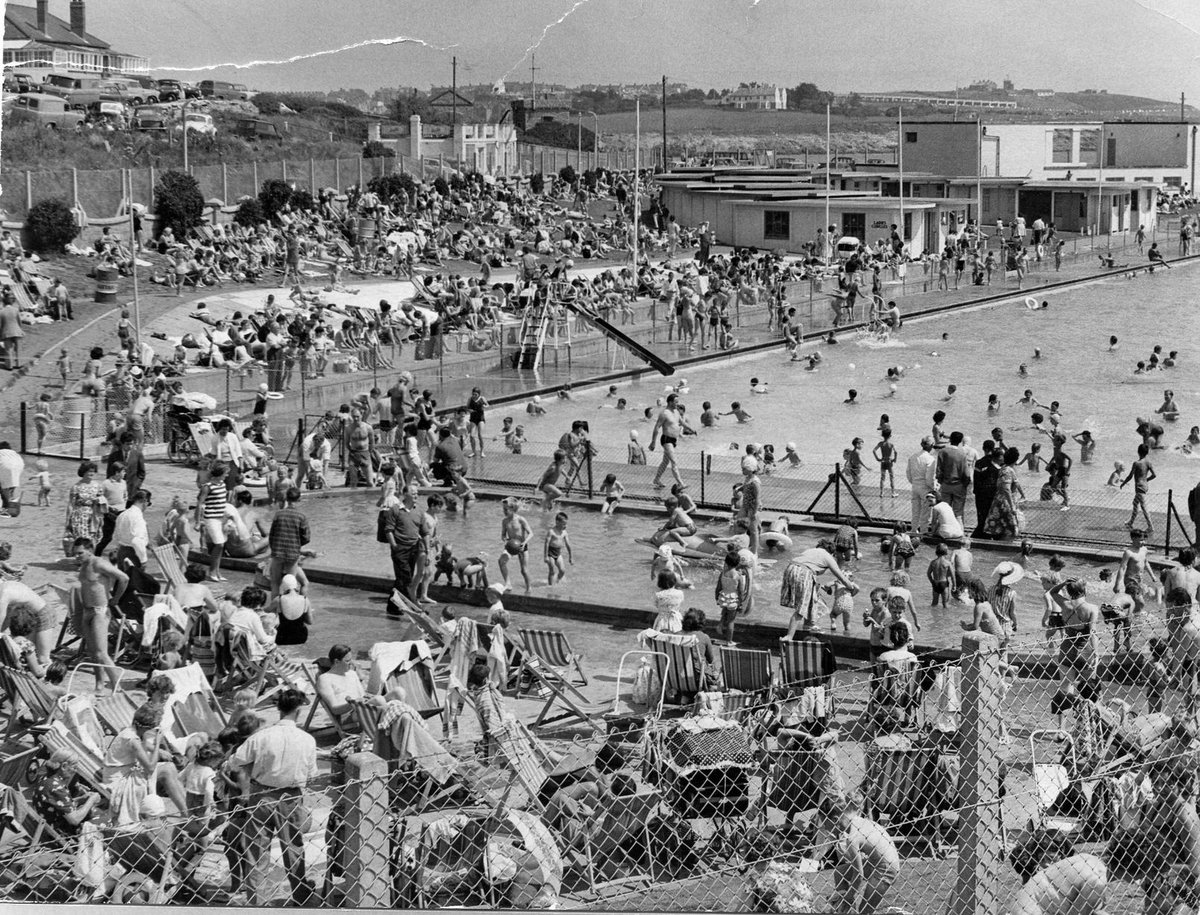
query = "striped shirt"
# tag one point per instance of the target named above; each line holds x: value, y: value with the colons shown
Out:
x: 214, y: 501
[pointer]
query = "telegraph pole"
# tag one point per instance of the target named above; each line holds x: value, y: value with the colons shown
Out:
x: 664, y: 120
x: 1182, y: 99
x: 533, y: 81
x: 453, y: 95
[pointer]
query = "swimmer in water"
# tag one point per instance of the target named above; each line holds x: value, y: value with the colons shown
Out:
x: 1141, y: 369
x: 1037, y: 353
x: 950, y: 391
x: 612, y: 390
x: 1172, y: 358
x: 1023, y: 370
x: 1114, y: 478
x: 1168, y: 408
x: 758, y: 387
x: 1113, y: 344
x: 621, y: 404
x: 735, y: 409
x: 853, y: 398
x: 813, y: 361
x: 993, y: 404
x: 945, y: 338
x: 1027, y: 400
x: 708, y: 418
x: 1087, y: 446
x: 790, y: 455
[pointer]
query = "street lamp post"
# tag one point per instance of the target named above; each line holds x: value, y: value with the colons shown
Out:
x: 595, y: 139
x: 183, y: 119
x: 579, y: 141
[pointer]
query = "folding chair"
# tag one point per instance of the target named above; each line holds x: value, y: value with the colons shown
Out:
x: 167, y: 559
x: 267, y: 675
x: 9, y: 655
x: 622, y: 824
x: 900, y: 787
x: 23, y: 815
x: 426, y: 628
x: 70, y: 600
x: 554, y: 650
x: 193, y: 706
x: 529, y: 762
x: 678, y: 664
x: 14, y: 766
x: 311, y: 673
x: 749, y: 672
x: 556, y: 690
x: 115, y: 712
x: 807, y: 669
x: 24, y: 689
x: 89, y: 766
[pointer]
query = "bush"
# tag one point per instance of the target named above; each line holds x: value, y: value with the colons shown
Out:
x: 51, y: 225
x: 302, y: 199
x: 440, y: 185
x: 273, y: 197
x: 249, y: 214
x: 178, y: 202
x: 373, y: 149
x: 537, y: 183
x: 567, y: 174
x: 391, y: 187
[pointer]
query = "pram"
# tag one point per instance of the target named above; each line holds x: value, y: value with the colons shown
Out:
x: 180, y: 446
x: 703, y: 767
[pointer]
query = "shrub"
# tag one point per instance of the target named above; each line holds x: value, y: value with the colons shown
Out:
x: 440, y: 185
x: 373, y: 149
x: 51, y: 225
x: 274, y: 195
x: 249, y: 214
x: 390, y: 187
x: 537, y: 183
x: 178, y: 202
x: 567, y: 174
x: 302, y: 199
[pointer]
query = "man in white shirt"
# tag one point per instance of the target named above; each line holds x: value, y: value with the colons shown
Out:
x: 245, y: 618
x: 943, y: 523
x: 130, y: 536
x: 274, y: 766
x: 921, y: 474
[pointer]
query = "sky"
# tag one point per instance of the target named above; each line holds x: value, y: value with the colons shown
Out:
x: 1143, y: 47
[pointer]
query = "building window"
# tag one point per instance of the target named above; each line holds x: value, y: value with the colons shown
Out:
x: 910, y: 136
x: 777, y: 224
x: 1089, y: 147
x: 1061, y: 145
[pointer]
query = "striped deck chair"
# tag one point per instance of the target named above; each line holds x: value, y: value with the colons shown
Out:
x: 15, y: 766
x: 69, y: 599
x: 193, y: 706
x: 267, y: 675
x: 528, y: 760
x: 24, y: 690
x: 422, y: 626
x: 23, y: 816
x: 9, y: 655
x: 115, y: 712
x: 167, y: 559
x: 89, y: 765
x: 895, y: 686
x: 807, y: 669
x: 552, y: 648
x: 562, y: 697
x: 900, y: 787
x: 682, y: 668
x: 749, y: 672
x: 311, y: 672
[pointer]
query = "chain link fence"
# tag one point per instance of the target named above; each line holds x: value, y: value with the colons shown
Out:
x: 1033, y: 770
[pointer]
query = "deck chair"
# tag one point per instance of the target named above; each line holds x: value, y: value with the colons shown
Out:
x: 22, y: 815
x: 115, y: 712
x: 622, y: 824
x: 167, y: 559
x: 14, y: 766
x: 9, y: 655
x: 311, y: 672
x: 24, y: 690
x: 267, y: 675
x: 528, y: 760
x: 553, y: 649
x: 678, y: 664
x: 422, y: 626
x: 89, y: 765
x: 895, y: 686
x: 748, y: 677
x: 192, y: 707
x: 563, y: 702
x: 900, y: 787
x: 807, y: 670
x: 68, y: 633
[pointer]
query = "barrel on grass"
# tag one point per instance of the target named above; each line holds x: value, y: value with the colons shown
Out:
x: 366, y: 230
x: 106, y: 284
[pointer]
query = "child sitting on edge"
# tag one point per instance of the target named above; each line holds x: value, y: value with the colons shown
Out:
x: 941, y: 576
x: 613, y: 490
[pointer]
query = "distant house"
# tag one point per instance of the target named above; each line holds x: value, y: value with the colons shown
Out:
x: 757, y: 96
x: 35, y: 38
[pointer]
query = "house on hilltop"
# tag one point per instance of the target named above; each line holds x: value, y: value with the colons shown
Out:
x: 756, y: 96
x: 35, y: 38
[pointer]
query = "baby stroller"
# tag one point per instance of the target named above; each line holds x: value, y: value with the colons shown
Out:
x: 181, y: 446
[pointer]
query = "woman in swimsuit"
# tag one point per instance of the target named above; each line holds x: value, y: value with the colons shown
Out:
x: 557, y: 542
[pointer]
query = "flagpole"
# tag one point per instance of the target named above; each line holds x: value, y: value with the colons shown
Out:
x: 637, y: 188
x: 900, y: 163
x: 828, y: 165
x: 137, y: 307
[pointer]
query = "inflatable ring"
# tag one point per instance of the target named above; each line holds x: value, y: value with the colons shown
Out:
x: 274, y: 395
x: 1031, y: 303
x: 776, y: 539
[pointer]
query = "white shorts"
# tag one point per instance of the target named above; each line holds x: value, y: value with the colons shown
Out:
x: 214, y: 530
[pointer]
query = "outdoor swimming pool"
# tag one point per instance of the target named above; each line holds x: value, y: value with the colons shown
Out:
x: 1097, y: 389
x: 611, y: 569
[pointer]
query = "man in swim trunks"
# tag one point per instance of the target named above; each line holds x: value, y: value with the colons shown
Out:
x: 360, y: 442
x: 667, y: 430
x: 101, y: 585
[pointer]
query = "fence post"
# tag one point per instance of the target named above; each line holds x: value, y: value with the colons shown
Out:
x: 360, y: 172
x: 224, y: 183
x: 368, y: 845
x: 837, y: 490
x: 702, y: 499
x: 977, y: 889
x: 1166, y: 543
x: 25, y: 437
x: 28, y: 190
x: 82, y: 434
x: 312, y: 175
x: 283, y: 168
x: 226, y: 388
x: 591, y: 485
x: 337, y: 174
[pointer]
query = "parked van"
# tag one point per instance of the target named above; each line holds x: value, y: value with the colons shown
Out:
x: 255, y: 129
x: 215, y: 88
x: 79, y: 91
x: 48, y: 110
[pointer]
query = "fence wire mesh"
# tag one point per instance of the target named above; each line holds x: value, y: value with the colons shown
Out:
x: 1033, y: 770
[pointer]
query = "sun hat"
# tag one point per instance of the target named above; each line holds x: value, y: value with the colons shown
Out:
x: 749, y: 465
x: 1008, y: 573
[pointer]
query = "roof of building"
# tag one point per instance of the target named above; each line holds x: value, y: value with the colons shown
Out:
x: 20, y: 22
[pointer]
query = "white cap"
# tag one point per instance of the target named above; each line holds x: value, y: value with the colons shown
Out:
x: 289, y: 583
x: 790, y: 446
x: 749, y: 465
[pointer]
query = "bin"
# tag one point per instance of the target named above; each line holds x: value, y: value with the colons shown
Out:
x: 106, y: 284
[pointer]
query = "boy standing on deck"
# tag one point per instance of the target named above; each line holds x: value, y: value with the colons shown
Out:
x: 1141, y: 472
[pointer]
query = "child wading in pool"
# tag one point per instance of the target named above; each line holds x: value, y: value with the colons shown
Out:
x: 941, y: 576
x: 613, y: 491
x: 885, y: 453
x: 557, y: 542
x: 515, y: 534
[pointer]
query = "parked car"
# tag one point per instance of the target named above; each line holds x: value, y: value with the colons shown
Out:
x: 47, y: 110
x: 152, y: 118
x: 134, y: 89
x: 79, y: 91
x: 17, y: 82
x: 257, y: 129
x: 215, y: 88
x: 109, y: 115
x: 197, y: 122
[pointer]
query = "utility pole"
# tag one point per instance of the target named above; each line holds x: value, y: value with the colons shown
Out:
x: 453, y: 95
x: 664, y: 119
x: 1182, y: 98
x: 533, y: 81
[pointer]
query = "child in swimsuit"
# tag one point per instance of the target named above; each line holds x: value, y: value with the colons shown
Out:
x: 557, y: 542
x: 678, y: 527
x: 1052, y: 618
x: 613, y: 491
x: 941, y: 576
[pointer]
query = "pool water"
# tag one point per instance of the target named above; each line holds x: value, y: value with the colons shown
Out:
x: 610, y: 568
x: 1096, y: 388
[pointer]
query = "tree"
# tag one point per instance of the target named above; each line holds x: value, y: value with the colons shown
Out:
x: 178, y: 202
x: 273, y: 197
x: 440, y: 185
x: 249, y: 214
x: 373, y: 149
x: 302, y: 199
x: 537, y: 183
x: 391, y: 187
x: 567, y: 174
x: 51, y: 225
